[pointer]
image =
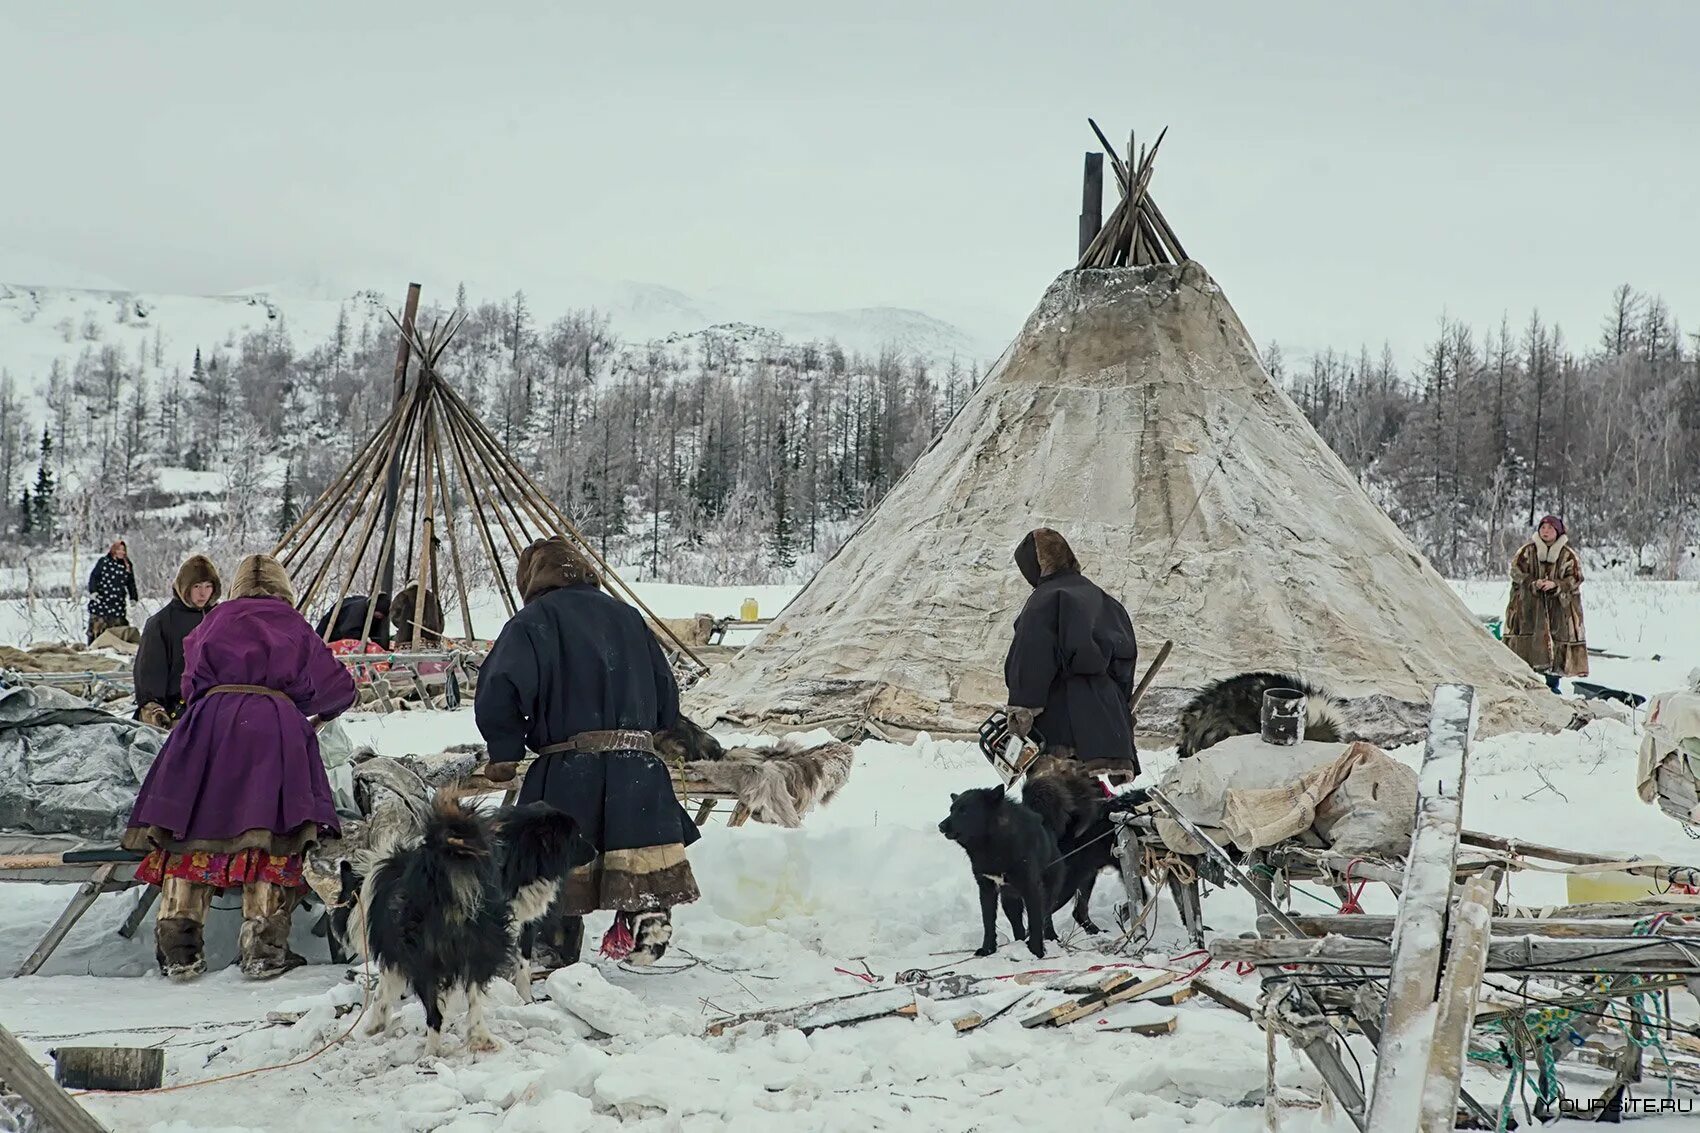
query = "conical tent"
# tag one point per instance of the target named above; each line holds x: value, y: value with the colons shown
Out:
x: 1133, y: 415
x: 432, y: 473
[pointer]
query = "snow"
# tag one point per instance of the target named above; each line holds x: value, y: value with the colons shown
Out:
x: 790, y: 917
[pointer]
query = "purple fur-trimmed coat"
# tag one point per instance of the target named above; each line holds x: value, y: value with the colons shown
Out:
x: 242, y: 770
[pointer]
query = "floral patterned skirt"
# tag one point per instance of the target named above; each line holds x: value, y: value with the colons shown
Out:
x: 223, y: 871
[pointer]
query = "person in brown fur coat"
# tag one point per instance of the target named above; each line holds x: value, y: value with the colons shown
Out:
x: 1543, y: 620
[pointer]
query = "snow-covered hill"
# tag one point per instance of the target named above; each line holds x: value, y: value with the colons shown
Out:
x: 42, y: 324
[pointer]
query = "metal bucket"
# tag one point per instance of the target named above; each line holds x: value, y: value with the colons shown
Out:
x: 1283, y: 716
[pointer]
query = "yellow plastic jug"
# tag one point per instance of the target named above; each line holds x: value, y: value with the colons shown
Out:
x: 749, y: 611
x: 1612, y: 885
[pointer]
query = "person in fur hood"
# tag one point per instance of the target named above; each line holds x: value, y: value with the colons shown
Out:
x: 578, y: 677
x: 1543, y: 620
x: 1070, y: 667
x: 158, y: 672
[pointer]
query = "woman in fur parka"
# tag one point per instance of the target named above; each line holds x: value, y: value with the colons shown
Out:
x: 1543, y: 620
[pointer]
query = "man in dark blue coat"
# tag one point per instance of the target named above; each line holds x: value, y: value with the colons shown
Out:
x: 578, y: 677
x: 1070, y: 667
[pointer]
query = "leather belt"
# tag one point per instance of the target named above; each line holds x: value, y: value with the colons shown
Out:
x: 260, y: 690
x: 590, y: 742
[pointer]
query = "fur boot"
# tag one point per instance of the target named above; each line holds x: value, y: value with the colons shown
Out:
x: 651, y: 933
x: 263, y: 942
x: 179, y: 943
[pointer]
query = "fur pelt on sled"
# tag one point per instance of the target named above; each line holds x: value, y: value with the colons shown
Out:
x: 779, y: 784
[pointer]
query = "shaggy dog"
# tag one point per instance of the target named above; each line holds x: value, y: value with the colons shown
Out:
x: 780, y: 784
x: 436, y: 921
x: 1233, y: 706
x: 447, y: 912
x: 1013, y: 854
x: 1075, y: 808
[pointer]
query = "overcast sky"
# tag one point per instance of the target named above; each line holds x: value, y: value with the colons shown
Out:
x: 1346, y: 171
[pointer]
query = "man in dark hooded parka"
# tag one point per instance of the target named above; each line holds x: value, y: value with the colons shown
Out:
x: 1070, y: 667
x: 578, y: 677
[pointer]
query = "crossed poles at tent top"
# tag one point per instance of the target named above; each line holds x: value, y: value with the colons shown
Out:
x: 439, y: 457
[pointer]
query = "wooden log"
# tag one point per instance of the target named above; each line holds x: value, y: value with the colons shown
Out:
x: 1091, y: 201
x: 109, y: 1067
x: 53, y: 1107
x: 1647, y: 955
x: 1408, y: 1019
x: 1460, y: 985
x: 1210, y: 990
x: 1366, y: 927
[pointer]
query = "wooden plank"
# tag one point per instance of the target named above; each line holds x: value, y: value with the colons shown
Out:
x: 1109, y: 984
x: 1648, y: 955
x: 1120, y: 995
x: 31, y: 861
x: 79, y: 904
x: 1210, y: 990
x: 144, y: 901
x: 1460, y: 985
x: 999, y: 1006
x: 1419, y: 934
x: 53, y: 1107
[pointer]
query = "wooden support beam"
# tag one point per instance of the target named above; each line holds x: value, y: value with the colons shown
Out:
x: 1419, y: 934
x: 85, y: 897
x: 1365, y: 927
x: 53, y: 1107
x: 1460, y: 985
x: 1091, y: 201
x: 392, y: 480
x: 1648, y: 955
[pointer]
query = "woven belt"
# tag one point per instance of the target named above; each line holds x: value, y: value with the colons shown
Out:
x: 590, y: 742
x: 260, y: 690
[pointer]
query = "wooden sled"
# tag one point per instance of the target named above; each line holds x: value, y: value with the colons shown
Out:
x: 94, y: 871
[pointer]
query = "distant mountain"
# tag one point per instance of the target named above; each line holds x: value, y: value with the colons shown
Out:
x: 43, y: 321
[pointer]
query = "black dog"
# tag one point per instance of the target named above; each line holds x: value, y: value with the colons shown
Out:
x: 1075, y: 808
x: 1233, y: 706
x: 1013, y: 852
x: 436, y: 920
x: 537, y: 846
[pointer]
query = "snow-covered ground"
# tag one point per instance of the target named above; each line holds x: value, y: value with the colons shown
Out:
x: 867, y: 888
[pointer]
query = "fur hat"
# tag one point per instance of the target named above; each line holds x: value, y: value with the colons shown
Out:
x: 1044, y: 554
x: 196, y: 569
x: 549, y: 564
x: 261, y: 576
x: 1557, y: 523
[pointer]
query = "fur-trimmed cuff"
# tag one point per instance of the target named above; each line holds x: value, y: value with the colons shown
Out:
x: 651, y: 877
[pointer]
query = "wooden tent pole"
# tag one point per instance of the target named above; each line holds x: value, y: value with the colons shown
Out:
x: 386, y: 545
x: 427, y: 525
x: 454, y: 538
x: 392, y: 479
x: 477, y: 505
x: 393, y: 436
x: 362, y: 471
x: 465, y: 442
x: 401, y: 434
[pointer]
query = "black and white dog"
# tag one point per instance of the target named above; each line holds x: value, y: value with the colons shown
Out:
x: 1233, y: 706
x: 446, y: 913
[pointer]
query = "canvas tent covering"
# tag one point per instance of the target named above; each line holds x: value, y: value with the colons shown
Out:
x: 1133, y: 415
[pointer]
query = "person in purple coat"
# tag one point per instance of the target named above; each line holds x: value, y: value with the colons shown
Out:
x: 239, y: 791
